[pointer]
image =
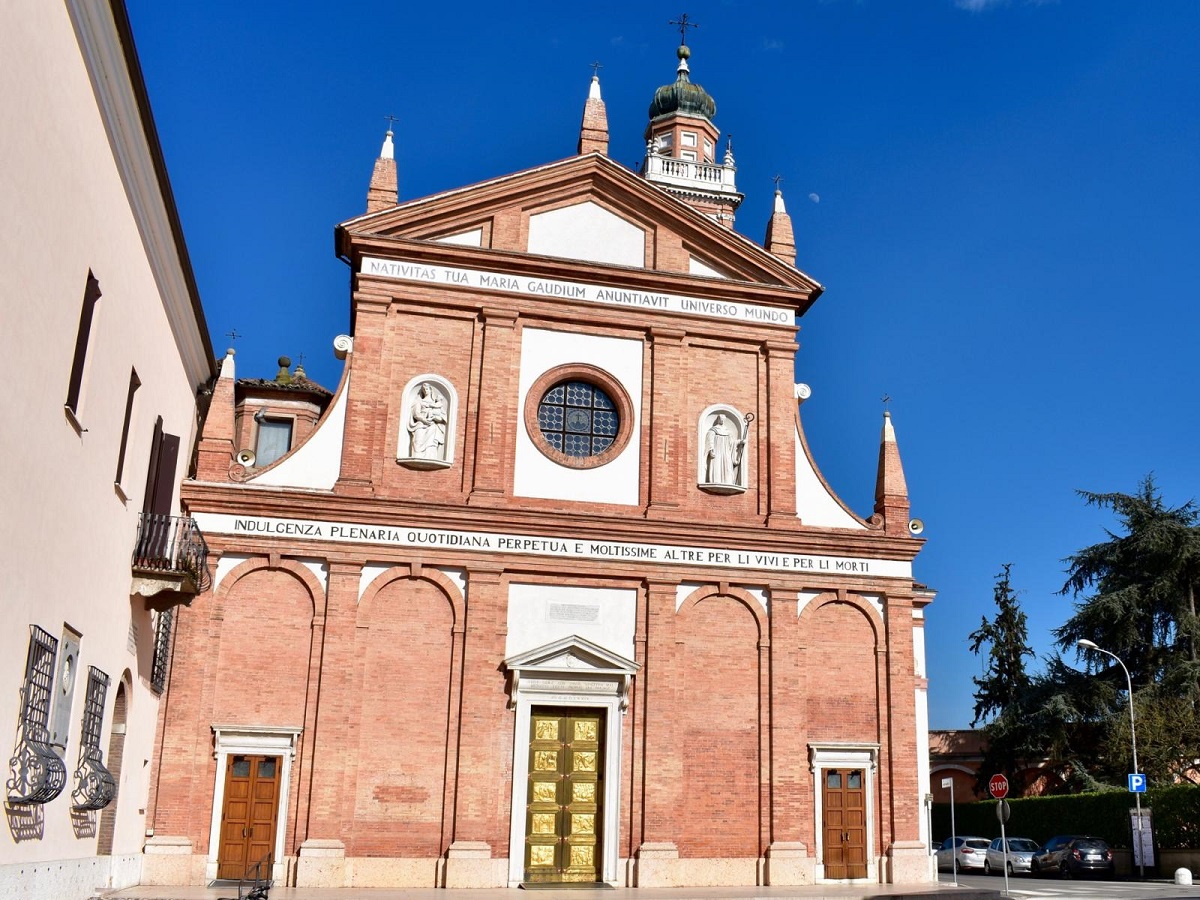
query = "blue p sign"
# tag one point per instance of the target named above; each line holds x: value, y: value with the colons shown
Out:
x: 1137, y: 783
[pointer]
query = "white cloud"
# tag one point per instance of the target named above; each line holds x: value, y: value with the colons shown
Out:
x: 772, y: 44
x: 979, y: 5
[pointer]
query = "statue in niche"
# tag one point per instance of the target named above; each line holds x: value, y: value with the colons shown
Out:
x: 722, y: 452
x: 427, y: 424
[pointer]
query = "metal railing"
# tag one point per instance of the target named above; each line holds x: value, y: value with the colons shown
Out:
x: 172, y: 545
x: 257, y: 881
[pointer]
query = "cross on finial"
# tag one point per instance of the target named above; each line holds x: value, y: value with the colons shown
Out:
x: 300, y: 360
x: 778, y: 179
x: 596, y: 67
x: 885, y: 400
x: 391, y: 120
x: 232, y: 334
x: 684, y: 25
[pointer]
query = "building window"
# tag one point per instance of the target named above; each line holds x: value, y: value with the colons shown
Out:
x: 689, y: 155
x: 708, y: 151
x: 162, y: 649
x: 578, y: 416
x: 95, y: 786
x: 688, y: 139
x: 134, y: 384
x: 37, y: 774
x: 274, y: 440
x: 91, y: 293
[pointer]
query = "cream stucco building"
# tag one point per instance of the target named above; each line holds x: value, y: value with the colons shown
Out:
x: 104, y: 346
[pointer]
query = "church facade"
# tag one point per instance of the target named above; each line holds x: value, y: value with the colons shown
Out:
x: 553, y: 591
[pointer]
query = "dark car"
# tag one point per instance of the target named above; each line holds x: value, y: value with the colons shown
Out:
x: 1073, y: 854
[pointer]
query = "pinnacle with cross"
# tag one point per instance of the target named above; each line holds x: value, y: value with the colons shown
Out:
x: 684, y: 25
x: 596, y: 67
x: 391, y: 120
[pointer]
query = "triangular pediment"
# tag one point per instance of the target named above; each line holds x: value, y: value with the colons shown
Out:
x: 585, y: 208
x: 571, y: 654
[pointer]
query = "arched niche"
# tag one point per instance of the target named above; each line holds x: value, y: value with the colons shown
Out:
x: 428, y: 412
x: 722, y: 463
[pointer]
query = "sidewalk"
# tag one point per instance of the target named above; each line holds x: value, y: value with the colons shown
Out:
x: 814, y: 892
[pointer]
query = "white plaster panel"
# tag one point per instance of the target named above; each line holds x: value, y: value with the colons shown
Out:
x: 320, y: 570
x: 587, y: 231
x: 758, y: 594
x: 923, y: 783
x: 919, y: 651
x: 542, y: 613
x: 472, y: 238
x: 369, y: 573
x: 696, y: 267
x: 815, y: 505
x: 226, y: 564
x: 318, y: 462
x: 458, y: 576
x: 684, y: 590
x: 806, y: 597
x: 535, y: 475
x: 876, y: 600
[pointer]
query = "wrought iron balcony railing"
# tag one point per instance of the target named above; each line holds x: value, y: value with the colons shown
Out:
x: 172, y: 546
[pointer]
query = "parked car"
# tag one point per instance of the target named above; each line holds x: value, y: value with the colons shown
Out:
x: 969, y: 850
x: 1020, y: 854
x: 1073, y: 854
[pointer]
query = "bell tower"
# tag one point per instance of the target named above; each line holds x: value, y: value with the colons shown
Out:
x: 681, y: 145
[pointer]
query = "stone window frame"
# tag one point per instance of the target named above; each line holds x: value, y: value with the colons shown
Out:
x: 598, y: 378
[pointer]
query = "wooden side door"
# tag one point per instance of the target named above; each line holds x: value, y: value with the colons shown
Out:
x: 566, y: 787
x: 250, y: 814
x: 844, y: 814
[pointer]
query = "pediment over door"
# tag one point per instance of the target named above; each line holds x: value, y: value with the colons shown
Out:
x: 571, y: 665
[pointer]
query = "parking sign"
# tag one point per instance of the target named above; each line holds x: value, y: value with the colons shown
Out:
x: 1137, y: 783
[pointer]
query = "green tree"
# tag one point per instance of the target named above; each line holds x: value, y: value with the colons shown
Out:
x: 1139, y: 603
x: 1002, y: 694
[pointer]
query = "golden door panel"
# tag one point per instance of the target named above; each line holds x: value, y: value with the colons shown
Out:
x: 566, y: 758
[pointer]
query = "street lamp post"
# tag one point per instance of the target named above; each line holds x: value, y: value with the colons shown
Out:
x: 1137, y: 797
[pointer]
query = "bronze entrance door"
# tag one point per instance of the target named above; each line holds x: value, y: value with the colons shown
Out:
x: 845, y: 823
x: 250, y: 814
x: 566, y: 785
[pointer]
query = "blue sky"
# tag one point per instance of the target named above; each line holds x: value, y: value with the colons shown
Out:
x: 1001, y: 199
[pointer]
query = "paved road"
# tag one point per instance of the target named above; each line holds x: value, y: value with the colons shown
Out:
x: 1022, y: 887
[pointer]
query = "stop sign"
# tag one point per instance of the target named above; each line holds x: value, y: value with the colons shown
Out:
x: 998, y: 786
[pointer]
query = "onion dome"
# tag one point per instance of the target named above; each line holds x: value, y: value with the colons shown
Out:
x: 683, y: 97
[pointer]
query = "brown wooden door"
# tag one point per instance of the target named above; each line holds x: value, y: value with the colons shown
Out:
x: 845, y: 824
x: 566, y: 787
x: 250, y: 814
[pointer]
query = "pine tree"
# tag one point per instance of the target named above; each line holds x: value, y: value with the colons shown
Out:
x: 1002, y: 694
x: 1142, y: 608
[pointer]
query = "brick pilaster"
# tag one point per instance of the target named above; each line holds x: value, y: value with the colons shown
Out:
x: 485, y: 728
x: 495, y: 437
x: 781, y: 460
x: 662, y: 778
x: 366, y: 407
x: 668, y: 437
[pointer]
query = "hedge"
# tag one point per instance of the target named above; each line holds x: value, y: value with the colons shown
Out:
x: 1176, y: 811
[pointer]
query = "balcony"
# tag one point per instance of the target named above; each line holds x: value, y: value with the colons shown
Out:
x: 170, y: 561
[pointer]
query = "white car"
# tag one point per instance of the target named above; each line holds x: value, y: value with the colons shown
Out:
x: 1020, y: 854
x: 969, y: 850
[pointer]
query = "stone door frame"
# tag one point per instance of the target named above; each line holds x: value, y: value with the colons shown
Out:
x: 252, y: 740
x: 844, y: 755
x: 570, y: 672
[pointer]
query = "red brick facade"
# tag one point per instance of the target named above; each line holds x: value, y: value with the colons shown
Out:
x: 756, y: 640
